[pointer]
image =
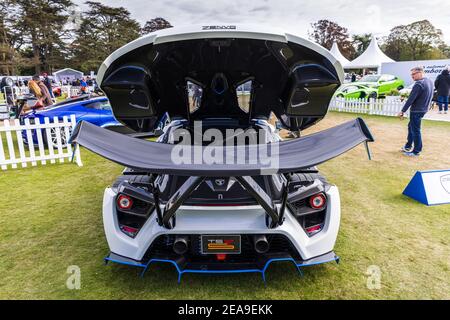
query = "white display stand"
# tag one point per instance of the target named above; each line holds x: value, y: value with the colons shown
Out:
x: 430, y: 187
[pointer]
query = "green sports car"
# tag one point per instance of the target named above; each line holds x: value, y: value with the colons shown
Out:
x: 384, y: 83
x: 355, y: 90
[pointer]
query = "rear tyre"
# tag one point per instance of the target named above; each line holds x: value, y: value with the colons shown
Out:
x: 6, y: 82
x: 54, y: 138
x: 304, y: 179
x: 372, y: 95
x: 144, y: 179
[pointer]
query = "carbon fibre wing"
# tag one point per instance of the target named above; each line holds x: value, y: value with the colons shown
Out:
x: 242, y: 160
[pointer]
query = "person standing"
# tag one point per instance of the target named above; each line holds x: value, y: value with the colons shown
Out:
x: 419, y: 100
x: 442, y: 85
x: 197, y: 96
x: 48, y: 84
x: 83, y: 86
x: 34, y: 87
x: 39, y: 89
x: 36, y: 91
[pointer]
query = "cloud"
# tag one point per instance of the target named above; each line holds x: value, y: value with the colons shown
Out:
x: 260, y: 8
x: 296, y: 16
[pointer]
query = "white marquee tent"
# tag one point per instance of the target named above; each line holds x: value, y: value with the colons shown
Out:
x: 373, y: 57
x: 67, y: 73
x: 339, y: 56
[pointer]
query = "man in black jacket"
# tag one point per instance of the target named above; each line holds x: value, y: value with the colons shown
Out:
x: 442, y: 85
x: 48, y: 84
x: 419, y: 100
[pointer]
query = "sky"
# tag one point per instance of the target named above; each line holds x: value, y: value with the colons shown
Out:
x: 295, y: 16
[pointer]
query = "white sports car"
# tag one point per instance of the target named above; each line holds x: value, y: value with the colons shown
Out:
x: 220, y: 192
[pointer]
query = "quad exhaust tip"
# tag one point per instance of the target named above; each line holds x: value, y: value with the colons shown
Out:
x: 180, y: 245
x: 261, y: 244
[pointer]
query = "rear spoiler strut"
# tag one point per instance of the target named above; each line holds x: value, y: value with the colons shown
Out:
x: 158, y: 158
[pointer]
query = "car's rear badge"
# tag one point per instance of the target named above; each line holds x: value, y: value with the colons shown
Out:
x: 214, y: 244
x: 218, y: 27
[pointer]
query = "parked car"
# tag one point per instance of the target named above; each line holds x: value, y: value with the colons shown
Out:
x: 95, y: 110
x: 221, y: 217
x: 6, y: 88
x: 355, y: 90
x: 384, y: 83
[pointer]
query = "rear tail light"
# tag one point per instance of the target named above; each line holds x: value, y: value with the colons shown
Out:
x: 313, y: 230
x: 310, y: 212
x: 132, y: 213
x: 124, y: 202
x: 129, y: 231
x: 317, y: 201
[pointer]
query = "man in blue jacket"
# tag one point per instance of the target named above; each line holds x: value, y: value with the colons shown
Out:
x: 419, y: 100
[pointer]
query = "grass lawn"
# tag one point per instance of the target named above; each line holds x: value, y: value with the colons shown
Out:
x: 51, y: 219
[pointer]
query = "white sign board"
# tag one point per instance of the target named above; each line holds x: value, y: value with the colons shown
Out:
x: 403, y: 69
x: 430, y: 187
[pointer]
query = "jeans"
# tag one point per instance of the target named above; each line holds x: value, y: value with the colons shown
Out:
x: 414, y: 134
x: 443, y: 103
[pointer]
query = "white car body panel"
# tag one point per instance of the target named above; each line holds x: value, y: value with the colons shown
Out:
x: 244, y: 31
x: 222, y: 220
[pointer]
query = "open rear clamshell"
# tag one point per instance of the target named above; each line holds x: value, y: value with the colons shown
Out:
x: 308, y: 95
x: 288, y: 75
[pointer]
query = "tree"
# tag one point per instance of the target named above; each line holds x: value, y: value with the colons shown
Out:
x: 445, y: 49
x: 360, y: 43
x: 419, y: 40
x: 40, y: 24
x: 102, y: 30
x: 157, y: 23
x: 6, y: 50
x: 325, y: 32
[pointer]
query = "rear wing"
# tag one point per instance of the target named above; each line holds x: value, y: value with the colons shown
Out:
x: 284, y: 157
x: 161, y: 158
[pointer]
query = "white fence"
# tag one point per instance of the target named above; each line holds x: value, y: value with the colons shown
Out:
x: 19, y: 91
x: 71, y: 91
x: 49, y: 138
x: 4, y: 110
x: 74, y: 91
x: 16, y: 91
x: 382, y: 107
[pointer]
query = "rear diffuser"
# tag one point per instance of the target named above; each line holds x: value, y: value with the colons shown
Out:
x: 180, y: 263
